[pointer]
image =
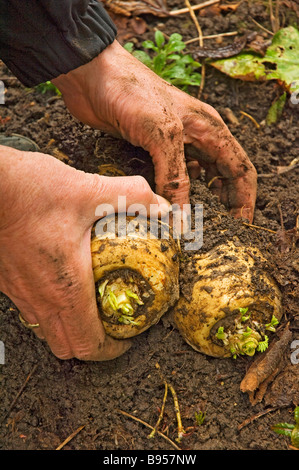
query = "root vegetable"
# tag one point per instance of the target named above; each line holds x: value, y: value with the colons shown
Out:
x: 136, y: 275
x: 234, y: 304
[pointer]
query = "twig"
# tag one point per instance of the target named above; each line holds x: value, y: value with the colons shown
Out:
x: 192, y: 14
x: 181, y: 430
x: 194, y: 7
x: 258, y: 227
x: 152, y: 434
x: 19, y: 393
x: 274, y: 18
x: 213, y: 36
x: 68, y: 439
x: 262, y: 27
x: 149, y: 426
x: 253, y: 418
x: 200, y: 41
x: 280, y: 170
x: 251, y: 118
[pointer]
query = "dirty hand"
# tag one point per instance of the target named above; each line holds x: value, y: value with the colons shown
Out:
x: 116, y: 93
x: 47, y: 211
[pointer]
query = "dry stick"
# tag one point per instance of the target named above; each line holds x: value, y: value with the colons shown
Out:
x: 213, y: 36
x: 19, y: 392
x: 152, y: 434
x: 181, y: 430
x: 251, y: 118
x: 68, y: 439
x: 262, y: 27
x: 253, y: 418
x: 274, y: 18
x: 200, y: 40
x: 194, y: 7
x: 258, y: 227
x: 149, y: 426
x: 192, y: 14
x: 249, y: 225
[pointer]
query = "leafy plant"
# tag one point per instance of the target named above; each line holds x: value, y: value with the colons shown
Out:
x: 276, y: 109
x: 168, y: 60
x: 290, y: 430
x: 199, y: 418
x: 47, y: 86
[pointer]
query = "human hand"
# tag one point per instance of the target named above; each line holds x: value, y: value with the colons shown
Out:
x: 116, y: 93
x: 47, y: 211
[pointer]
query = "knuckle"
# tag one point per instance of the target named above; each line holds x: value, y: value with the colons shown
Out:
x: 63, y: 355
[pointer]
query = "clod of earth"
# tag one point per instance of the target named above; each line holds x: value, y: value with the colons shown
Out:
x: 136, y: 273
x: 234, y: 304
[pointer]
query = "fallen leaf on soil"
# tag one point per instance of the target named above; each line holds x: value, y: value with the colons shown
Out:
x: 258, y: 44
x: 229, y: 7
x: 218, y: 9
x: 284, y: 390
x: 286, y: 239
x: 128, y: 27
x: 263, y: 370
x: 280, y: 62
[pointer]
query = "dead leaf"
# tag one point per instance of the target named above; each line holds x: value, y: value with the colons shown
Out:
x: 214, y: 10
x: 258, y: 44
x: 229, y: 7
x: 263, y: 370
x: 128, y: 27
x: 284, y: 390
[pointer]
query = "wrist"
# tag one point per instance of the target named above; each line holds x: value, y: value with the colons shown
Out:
x: 11, y: 184
x: 86, y: 87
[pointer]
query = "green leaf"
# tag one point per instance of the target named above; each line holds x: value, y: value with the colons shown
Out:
x: 143, y: 57
x: 149, y: 45
x: 159, y: 62
x: 175, y: 38
x: 281, y: 62
x: 283, y: 428
x: 270, y: 326
x: 129, y: 46
x: 47, y: 86
x: 263, y: 345
x: 159, y: 39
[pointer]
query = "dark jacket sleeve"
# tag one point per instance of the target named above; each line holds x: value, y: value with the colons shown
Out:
x: 41, y: 39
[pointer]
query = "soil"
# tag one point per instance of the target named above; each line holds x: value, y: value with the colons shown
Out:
x: 44, y: 399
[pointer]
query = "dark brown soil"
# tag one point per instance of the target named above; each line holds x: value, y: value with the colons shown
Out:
x: 44, y: 400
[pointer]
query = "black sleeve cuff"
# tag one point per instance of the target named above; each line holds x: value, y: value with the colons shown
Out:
x: 42, y: 39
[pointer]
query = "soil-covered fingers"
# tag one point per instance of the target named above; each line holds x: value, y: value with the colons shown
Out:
x: 229, y: 171
x: 165, y: 143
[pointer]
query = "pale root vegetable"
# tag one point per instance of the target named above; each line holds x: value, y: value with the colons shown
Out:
x: 233, y: 304
x: 136, y: 273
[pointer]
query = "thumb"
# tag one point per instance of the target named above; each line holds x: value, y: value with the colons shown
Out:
x: 124, y: 194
